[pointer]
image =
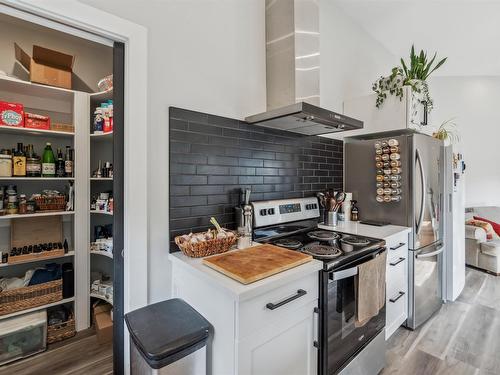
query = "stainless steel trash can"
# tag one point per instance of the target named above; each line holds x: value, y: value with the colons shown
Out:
x: 167, y: 338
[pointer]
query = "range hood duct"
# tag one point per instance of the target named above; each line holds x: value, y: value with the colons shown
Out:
x: 293, y: 71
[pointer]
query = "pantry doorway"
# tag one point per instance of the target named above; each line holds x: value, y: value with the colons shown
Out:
x: 129, y: 42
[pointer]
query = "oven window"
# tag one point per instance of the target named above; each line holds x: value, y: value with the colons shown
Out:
x: 345, y: 337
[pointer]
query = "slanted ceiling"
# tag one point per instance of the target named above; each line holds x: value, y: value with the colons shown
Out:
x: 466, y: 31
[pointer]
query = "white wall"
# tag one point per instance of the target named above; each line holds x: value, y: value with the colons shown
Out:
x: 351, y: 59
x: 474, y: 103
x: 204, y: 55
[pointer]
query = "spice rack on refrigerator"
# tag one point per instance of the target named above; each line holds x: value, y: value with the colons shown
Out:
x: 43, y: 114
x: 101, y: 197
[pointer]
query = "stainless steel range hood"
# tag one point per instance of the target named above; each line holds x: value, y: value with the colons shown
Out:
x: 293, y: 71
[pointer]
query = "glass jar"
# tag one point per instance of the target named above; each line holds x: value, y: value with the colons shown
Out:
x: 30, y: 207
x: 23, y: 205
x: 33, y: 167
x: 5, y: 165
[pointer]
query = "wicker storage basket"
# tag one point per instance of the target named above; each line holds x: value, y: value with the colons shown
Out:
x: 206, y: 248
x: 61, y: 331
x: 30, y: 296
x: 56, y: 203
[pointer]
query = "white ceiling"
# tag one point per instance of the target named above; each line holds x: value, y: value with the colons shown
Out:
x: 466, y: 31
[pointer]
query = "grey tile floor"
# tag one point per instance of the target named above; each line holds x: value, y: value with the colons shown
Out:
x: 462, y: 339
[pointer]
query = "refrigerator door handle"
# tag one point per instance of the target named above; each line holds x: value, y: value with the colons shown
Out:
x: 422, y: 198
x: 430, y: 255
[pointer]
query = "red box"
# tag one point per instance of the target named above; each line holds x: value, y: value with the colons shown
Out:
x: 11, y: 114
x: 34, y: 121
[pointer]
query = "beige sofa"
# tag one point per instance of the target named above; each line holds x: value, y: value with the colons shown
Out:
x: 480, y: 252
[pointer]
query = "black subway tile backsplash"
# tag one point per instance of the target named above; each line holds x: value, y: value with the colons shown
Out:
x: 213, y: 158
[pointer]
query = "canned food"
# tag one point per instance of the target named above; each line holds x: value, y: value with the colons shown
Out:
x: 387, y: 171
x: 380, y: 184
x: 387, y: 184
x: 378, y: 151
x: 395, y: 177
x: 387, y: 198
x: 386, y: 157
x: 380, y: 191
x: 393, y: 142
x: 386, y: 150
x: 378, y: 144
x: 378, y: 158
x: 380, y: 178
x: 396, y: 198
x: 384, y: 144
x: 379, y: 198
x: 379, y: 164
x: 394, y: 149
x: 395, y: 163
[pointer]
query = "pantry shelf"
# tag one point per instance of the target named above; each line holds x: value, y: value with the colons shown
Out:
x: 101, y: 178
x: 68, y: 254
x: 102, y: 137
x: 37, y: 178
x: 102, y: 95
x: 106, y: 254
x: 101, y: 212
x: 103, y: 298
x: 39, y: 214
x: 37, y: 132
x: 61, y: 302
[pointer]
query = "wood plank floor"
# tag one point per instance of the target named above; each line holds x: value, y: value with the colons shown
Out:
x: 80, y: 355
x: 462, y: 339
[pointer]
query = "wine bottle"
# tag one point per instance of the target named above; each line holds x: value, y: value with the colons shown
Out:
x: 68, y: 162
x: 60, y: 167
x: 48, y: 162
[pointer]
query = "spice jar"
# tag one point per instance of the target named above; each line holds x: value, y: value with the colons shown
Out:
x: 30, y: 207
x: 22, y: 208
x: 5, y: 165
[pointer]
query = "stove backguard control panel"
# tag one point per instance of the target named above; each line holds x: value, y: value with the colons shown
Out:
x: 284, y: 211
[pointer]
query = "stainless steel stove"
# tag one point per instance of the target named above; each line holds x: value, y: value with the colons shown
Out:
x: 293, y: 224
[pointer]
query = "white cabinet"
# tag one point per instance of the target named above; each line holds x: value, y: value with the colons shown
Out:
x: 284, y: 347
x: 396, y: 283
x: 261, y: 331
x: 394, y: 114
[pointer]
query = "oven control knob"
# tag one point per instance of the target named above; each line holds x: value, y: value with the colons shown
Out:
x: 263, y: 212
x: 270, y: 211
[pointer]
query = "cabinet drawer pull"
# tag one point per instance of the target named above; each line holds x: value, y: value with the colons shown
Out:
x: 300, y: 293
x: 393, y: 300
x: 401, y: 244
x: 397, y: 261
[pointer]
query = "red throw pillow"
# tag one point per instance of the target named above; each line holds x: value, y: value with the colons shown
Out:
x: 496, y: 226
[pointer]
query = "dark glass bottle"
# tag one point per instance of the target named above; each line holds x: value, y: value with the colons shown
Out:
x: 354, y: 211
x: 60, y: 171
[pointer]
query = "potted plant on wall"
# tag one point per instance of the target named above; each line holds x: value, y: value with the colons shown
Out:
x: 413, y: 74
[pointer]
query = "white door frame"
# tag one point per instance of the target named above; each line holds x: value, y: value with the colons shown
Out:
x: 84, y: 17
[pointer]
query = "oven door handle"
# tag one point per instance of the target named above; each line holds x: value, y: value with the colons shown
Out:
x: 344, y: 274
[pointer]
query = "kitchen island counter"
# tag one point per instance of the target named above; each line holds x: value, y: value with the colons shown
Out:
x: 235, y: 289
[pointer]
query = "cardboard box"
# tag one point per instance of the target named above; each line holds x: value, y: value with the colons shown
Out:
x: 104, y: 327
x: 100, y: 308
x: 47, y: 66
x: 11, y: 114
x: 34, y: 121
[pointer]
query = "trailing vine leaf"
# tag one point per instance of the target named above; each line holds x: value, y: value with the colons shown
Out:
x: 411, y: 74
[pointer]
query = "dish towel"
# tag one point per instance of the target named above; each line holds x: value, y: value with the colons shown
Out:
x: 370, y: 289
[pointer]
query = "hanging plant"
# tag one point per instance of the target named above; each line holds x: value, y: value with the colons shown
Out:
x: 413, y: 74
x: 448, y: 132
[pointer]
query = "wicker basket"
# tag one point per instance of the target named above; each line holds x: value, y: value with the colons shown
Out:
x: 206, y: 248
x: 56, y: 203
x: 30, y: 296
x: 61, y: 331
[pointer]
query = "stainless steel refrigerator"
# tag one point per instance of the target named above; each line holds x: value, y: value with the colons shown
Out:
x: 420, y: 208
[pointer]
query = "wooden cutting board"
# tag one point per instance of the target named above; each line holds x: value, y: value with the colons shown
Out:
x: 256, y: 263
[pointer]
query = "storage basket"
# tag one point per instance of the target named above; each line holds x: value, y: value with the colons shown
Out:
x: 61, y: 331
x: 30, y: 296
x: 206, y: 248
x: 55, y: 203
